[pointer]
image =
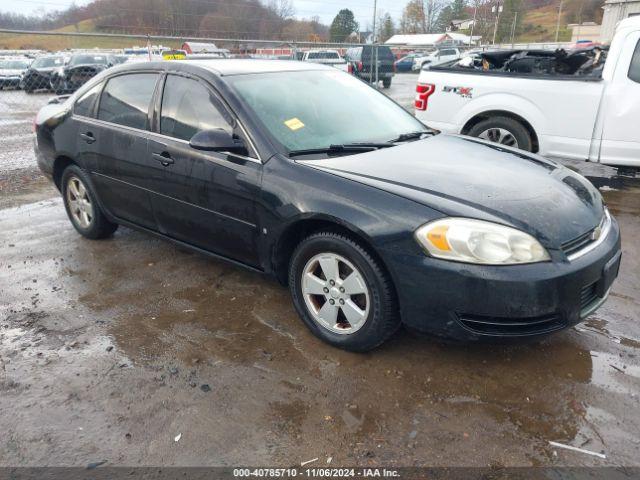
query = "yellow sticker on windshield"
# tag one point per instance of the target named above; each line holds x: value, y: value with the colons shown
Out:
x: 294, y: 124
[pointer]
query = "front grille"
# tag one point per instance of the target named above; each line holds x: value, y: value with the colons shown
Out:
x: 578, y: 243
x: 594, y: 235
x: 512, y: 327
x: 588, y: 295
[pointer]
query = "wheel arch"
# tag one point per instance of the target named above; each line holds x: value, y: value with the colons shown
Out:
x: 473, y: 121
x: 303, y: 227
x: 59, y: 165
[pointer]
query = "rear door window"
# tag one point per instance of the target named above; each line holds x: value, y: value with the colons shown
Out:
x: 188, y: 107
x: 125, y: 100
x: 634, y: 69
x: 84, y: 105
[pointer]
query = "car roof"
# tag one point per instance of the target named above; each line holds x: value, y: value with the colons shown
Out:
x: 230, y: 66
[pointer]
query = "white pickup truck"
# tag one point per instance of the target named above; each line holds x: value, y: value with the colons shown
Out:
x: 594, y: 117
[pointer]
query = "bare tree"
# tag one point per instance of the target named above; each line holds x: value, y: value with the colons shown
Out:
x: 432, y: 9
x: 421, y: 16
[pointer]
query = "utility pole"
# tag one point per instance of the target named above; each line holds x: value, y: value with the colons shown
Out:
x: 475, y: 14
x: 558, y: 24
x: 374, y: 51
x: 513, y: 29
x: 497, y: 9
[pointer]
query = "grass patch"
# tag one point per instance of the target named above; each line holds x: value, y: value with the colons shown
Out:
x: 540, y: 26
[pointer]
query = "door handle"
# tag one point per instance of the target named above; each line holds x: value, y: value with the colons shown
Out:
x: 164, y: 158
x: 88, y: 137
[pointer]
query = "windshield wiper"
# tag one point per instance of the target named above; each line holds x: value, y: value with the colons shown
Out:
x: 405, y: 137
x: 347, y: 147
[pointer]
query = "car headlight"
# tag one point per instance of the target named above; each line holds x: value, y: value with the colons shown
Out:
x: 476, y: 241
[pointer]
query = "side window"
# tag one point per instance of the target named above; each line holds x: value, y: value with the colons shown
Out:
x: 84, y: 105
x: 126, y: 98
x: 634, y: 69
x: 187, y: 108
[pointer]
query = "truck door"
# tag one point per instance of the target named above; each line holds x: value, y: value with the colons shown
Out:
x: 621, y: 109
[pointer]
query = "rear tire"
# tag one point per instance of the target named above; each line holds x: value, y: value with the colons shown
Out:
x: 505, y: 131
x: 363, y: 312
x: 386, y: 83
x: 82, y: 206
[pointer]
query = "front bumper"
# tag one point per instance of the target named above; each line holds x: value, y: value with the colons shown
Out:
x: 9, y: 81
x: 472, y: 302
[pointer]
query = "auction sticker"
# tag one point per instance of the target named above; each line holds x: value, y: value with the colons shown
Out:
x: 294, y: 124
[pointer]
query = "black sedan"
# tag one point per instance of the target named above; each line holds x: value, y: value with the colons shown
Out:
x: 79, y: 69
x: 301, y: 171
x: 38, y: 76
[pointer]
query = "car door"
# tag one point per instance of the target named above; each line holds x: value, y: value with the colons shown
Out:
x: 621, y: 132
x: 124, y: 173
x: 206, y: 199
x: 84, y: 111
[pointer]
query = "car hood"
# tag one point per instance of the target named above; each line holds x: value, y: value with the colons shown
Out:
x: 10, y: 71
x: 465, y: 177
x: 98, y: 66
x: 45, y: 70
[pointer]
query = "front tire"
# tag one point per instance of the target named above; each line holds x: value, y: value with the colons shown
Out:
x: 386, y: 83
x: 82, y: 207
x: 342, y: 293
x: 504, y: 131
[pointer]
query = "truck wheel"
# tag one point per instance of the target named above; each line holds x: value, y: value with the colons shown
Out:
x: 386, y: 83
x: 342, y: 293
x: 505, y: 131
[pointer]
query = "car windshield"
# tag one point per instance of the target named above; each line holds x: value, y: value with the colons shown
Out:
x: 46, y: 62
x: 14, y: 64
x: 317, y: 109
x: 88, y: 59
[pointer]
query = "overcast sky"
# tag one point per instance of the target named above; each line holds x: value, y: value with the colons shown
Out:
x: 325, y: 9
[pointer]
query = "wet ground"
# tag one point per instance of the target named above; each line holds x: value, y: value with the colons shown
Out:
x: 111, y: 350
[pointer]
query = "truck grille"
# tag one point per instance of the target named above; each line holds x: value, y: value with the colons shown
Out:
x: 512, y: 327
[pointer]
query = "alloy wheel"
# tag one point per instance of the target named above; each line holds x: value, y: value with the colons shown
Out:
x: 79, y: 202
x: 335, y: 293
x: 499, y: 135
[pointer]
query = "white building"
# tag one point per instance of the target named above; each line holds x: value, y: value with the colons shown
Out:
x: 456, y: 25
x: 433, y: 39
x: 585, y: 31
x: 614, y: 11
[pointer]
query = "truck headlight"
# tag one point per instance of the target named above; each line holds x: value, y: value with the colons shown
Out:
x: 476, y: 241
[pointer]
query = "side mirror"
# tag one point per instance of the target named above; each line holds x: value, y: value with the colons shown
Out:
x: 217, y: 140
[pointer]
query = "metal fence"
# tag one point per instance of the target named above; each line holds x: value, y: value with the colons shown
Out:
x: 34, y: 66
x: 61, y: 61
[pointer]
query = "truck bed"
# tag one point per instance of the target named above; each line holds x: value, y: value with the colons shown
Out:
x: 584, y: 65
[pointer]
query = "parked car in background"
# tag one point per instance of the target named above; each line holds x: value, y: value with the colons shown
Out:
x: 405, y: 64
x: 38, y: 75
x: 325, y: 57
x: 78, y: 70
x: 438, y: 57
x: 301, y: 171
x: 583, y: 105
x: 12, y: 71
x: 366, y: 62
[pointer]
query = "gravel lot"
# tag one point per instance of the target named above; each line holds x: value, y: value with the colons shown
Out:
x: 109, y: 350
